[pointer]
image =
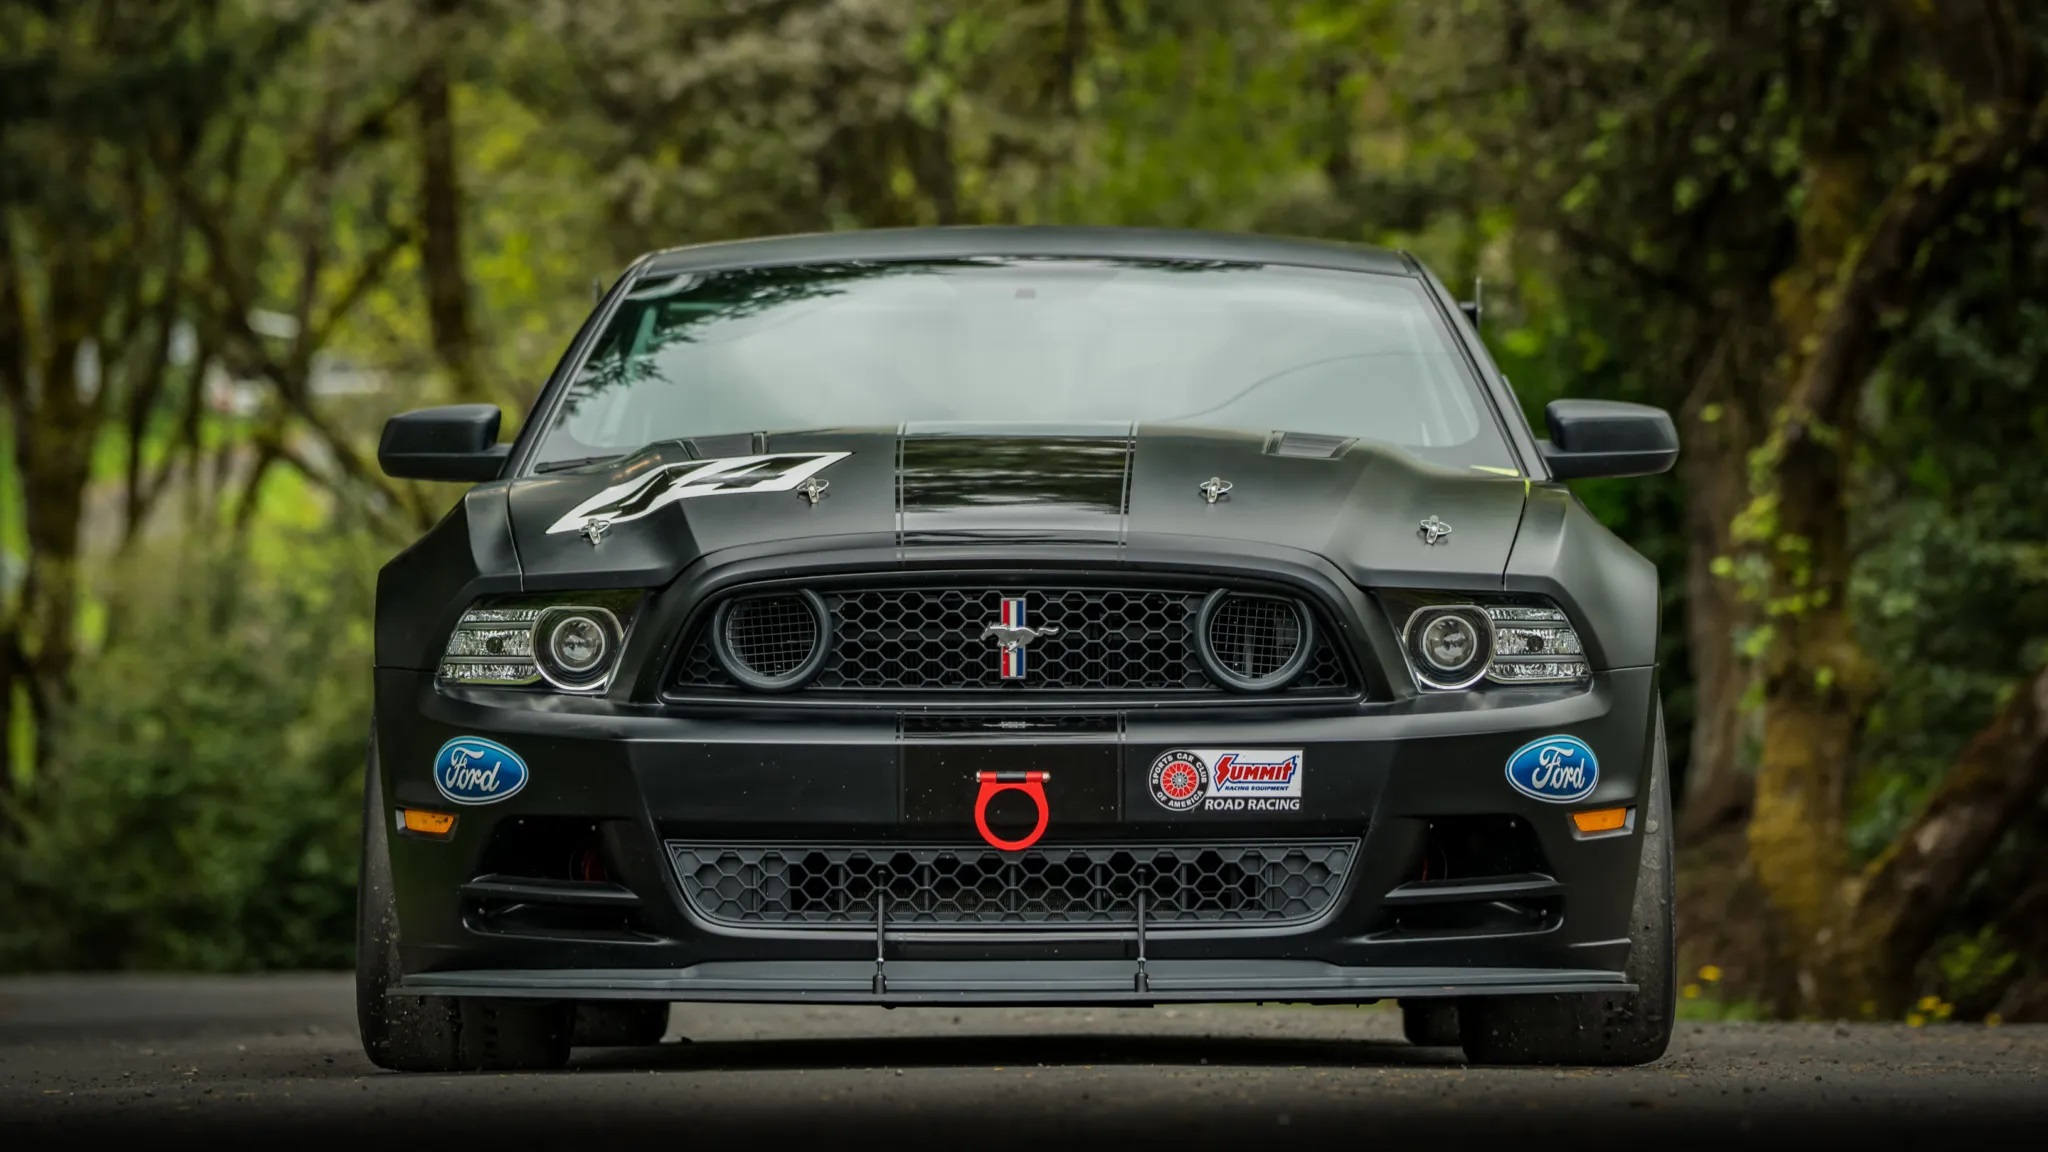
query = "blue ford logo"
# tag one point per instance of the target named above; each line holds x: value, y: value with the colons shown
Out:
x: 1559, y: 769
x: 473, y: 770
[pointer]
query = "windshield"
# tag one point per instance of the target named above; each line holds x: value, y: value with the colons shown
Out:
x: 1258, y: 348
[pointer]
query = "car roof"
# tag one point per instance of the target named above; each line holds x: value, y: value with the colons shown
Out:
x: 952, y: 243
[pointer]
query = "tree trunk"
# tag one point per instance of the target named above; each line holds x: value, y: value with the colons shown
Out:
x: 441, y: 264
x: 1813, y: 690
x: 1719, y: 433
x: 10, y: 675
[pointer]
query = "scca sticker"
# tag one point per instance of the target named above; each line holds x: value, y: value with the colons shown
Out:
x: 1228, y: 780
x: 1179, y: 780
x: 1557, y: 769
x: 473, y: 770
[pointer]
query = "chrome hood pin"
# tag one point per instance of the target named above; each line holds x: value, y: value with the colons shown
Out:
x: 1214, y: 488
x: 1434, y: 531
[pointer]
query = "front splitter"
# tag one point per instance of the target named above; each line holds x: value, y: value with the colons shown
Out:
x: 995, y: 983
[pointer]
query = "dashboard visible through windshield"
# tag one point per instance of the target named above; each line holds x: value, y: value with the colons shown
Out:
x: 1038, y: 341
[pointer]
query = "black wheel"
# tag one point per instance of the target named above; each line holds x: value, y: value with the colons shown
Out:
x: 620, y: 1023
x: 1601, y: 1028
x: 433, y: 1033
x: 1430, y: 1023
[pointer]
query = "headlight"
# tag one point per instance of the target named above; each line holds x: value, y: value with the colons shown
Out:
x: 576, y: 646
x: 1448, y: 645
x: 1454, y: 645
x: 570, y: 643
x: 1534, y: 644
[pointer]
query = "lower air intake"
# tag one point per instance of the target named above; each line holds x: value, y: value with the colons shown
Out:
x: 1260, y: 883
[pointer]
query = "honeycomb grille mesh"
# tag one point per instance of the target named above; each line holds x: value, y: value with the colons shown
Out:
x: 773, y: 635
x: 927, y: 640
x: 791, y: 886
x: 1255, y: 636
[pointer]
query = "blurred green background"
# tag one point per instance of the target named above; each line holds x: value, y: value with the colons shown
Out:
x: 237, y: 234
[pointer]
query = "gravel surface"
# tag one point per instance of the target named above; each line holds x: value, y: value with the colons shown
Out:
x: 277, y: 1056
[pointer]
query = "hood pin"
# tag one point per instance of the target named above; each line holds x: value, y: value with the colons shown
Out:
x: 594, y: 530
x: 1214, y: 488
x: 813, y: 490
x: 1434, y: 531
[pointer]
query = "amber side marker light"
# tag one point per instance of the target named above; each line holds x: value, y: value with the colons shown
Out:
x: 1598, y: 820
x: 427, y: 823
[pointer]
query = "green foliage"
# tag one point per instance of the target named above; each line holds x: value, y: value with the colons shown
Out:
x: 1948, y: 588
x: 203, y: 814
x: 1633, y: 179
x: 1972, y: 968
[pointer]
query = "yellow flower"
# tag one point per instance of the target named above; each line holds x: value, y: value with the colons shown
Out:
x: 1711, y: 973
x: 1993, y: 1019
x: 1944, y: 1010
x: 1927, y: 1003
x: 1690, y: 991
x: 1915, y: 1020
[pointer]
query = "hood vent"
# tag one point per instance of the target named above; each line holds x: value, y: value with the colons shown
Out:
x: 725, y: 447
x: 1308, y: 445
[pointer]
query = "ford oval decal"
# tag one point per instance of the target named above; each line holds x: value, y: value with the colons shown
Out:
x: 1558, y: 769
x: 473, y: 770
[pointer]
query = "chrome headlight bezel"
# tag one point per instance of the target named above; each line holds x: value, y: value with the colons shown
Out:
x: 499, y: 642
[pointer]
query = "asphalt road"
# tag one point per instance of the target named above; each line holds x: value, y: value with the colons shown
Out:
x: 276, y: 1057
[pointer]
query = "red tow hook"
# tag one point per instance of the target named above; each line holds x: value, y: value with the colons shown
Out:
x: 1031, y: 784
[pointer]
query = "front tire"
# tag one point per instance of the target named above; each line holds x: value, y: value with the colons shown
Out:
x: 620, y: 1024
x: 1601, y: 1028
x: 432, y: 1033
x: 1430, y: 1023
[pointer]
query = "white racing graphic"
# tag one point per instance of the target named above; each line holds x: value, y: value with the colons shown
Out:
x: 642, y: 495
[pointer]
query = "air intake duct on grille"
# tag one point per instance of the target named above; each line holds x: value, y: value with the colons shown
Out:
x: 772, y: 643
x: 1252, y: 642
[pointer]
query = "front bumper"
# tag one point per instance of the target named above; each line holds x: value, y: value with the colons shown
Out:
x: 1388, y: 777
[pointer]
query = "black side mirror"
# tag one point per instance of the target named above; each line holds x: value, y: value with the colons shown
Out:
x: 1607, y: 438
x: 458, y: 442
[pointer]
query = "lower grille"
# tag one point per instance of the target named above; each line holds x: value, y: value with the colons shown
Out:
x: 1249, y: 883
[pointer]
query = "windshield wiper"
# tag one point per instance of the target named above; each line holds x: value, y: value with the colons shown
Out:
x: 580, y: 462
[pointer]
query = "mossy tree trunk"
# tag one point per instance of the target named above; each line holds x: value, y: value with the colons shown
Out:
x: 1855, y: 933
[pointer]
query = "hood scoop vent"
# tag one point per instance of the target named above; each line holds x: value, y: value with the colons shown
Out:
x: 727, y: 446
x: 1308, y: 445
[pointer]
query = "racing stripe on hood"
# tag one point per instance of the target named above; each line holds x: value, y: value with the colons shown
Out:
x: 1002, y: 482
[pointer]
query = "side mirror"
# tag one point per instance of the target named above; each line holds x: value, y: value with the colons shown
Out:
x: 1607, y: 438
x: 458, y: 442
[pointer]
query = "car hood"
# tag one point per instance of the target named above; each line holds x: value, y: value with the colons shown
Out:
x: 645, y: 518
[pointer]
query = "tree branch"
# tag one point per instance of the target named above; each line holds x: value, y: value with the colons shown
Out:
x: 367, y: 275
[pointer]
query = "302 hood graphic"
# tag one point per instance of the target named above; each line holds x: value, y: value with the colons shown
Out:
x: 669, y: 483
x: 1359, y: 507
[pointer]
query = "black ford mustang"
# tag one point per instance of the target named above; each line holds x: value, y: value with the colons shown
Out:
x: 1000, y: 616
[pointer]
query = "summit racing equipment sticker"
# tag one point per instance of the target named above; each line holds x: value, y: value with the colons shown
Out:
x: 620, y: 503
x: 1558, y: 769
x: 473, y: 770
x: 1228, y: 780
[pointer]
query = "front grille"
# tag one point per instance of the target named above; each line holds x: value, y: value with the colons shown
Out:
x: 1261, y: 883
x: 1107, y: 640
